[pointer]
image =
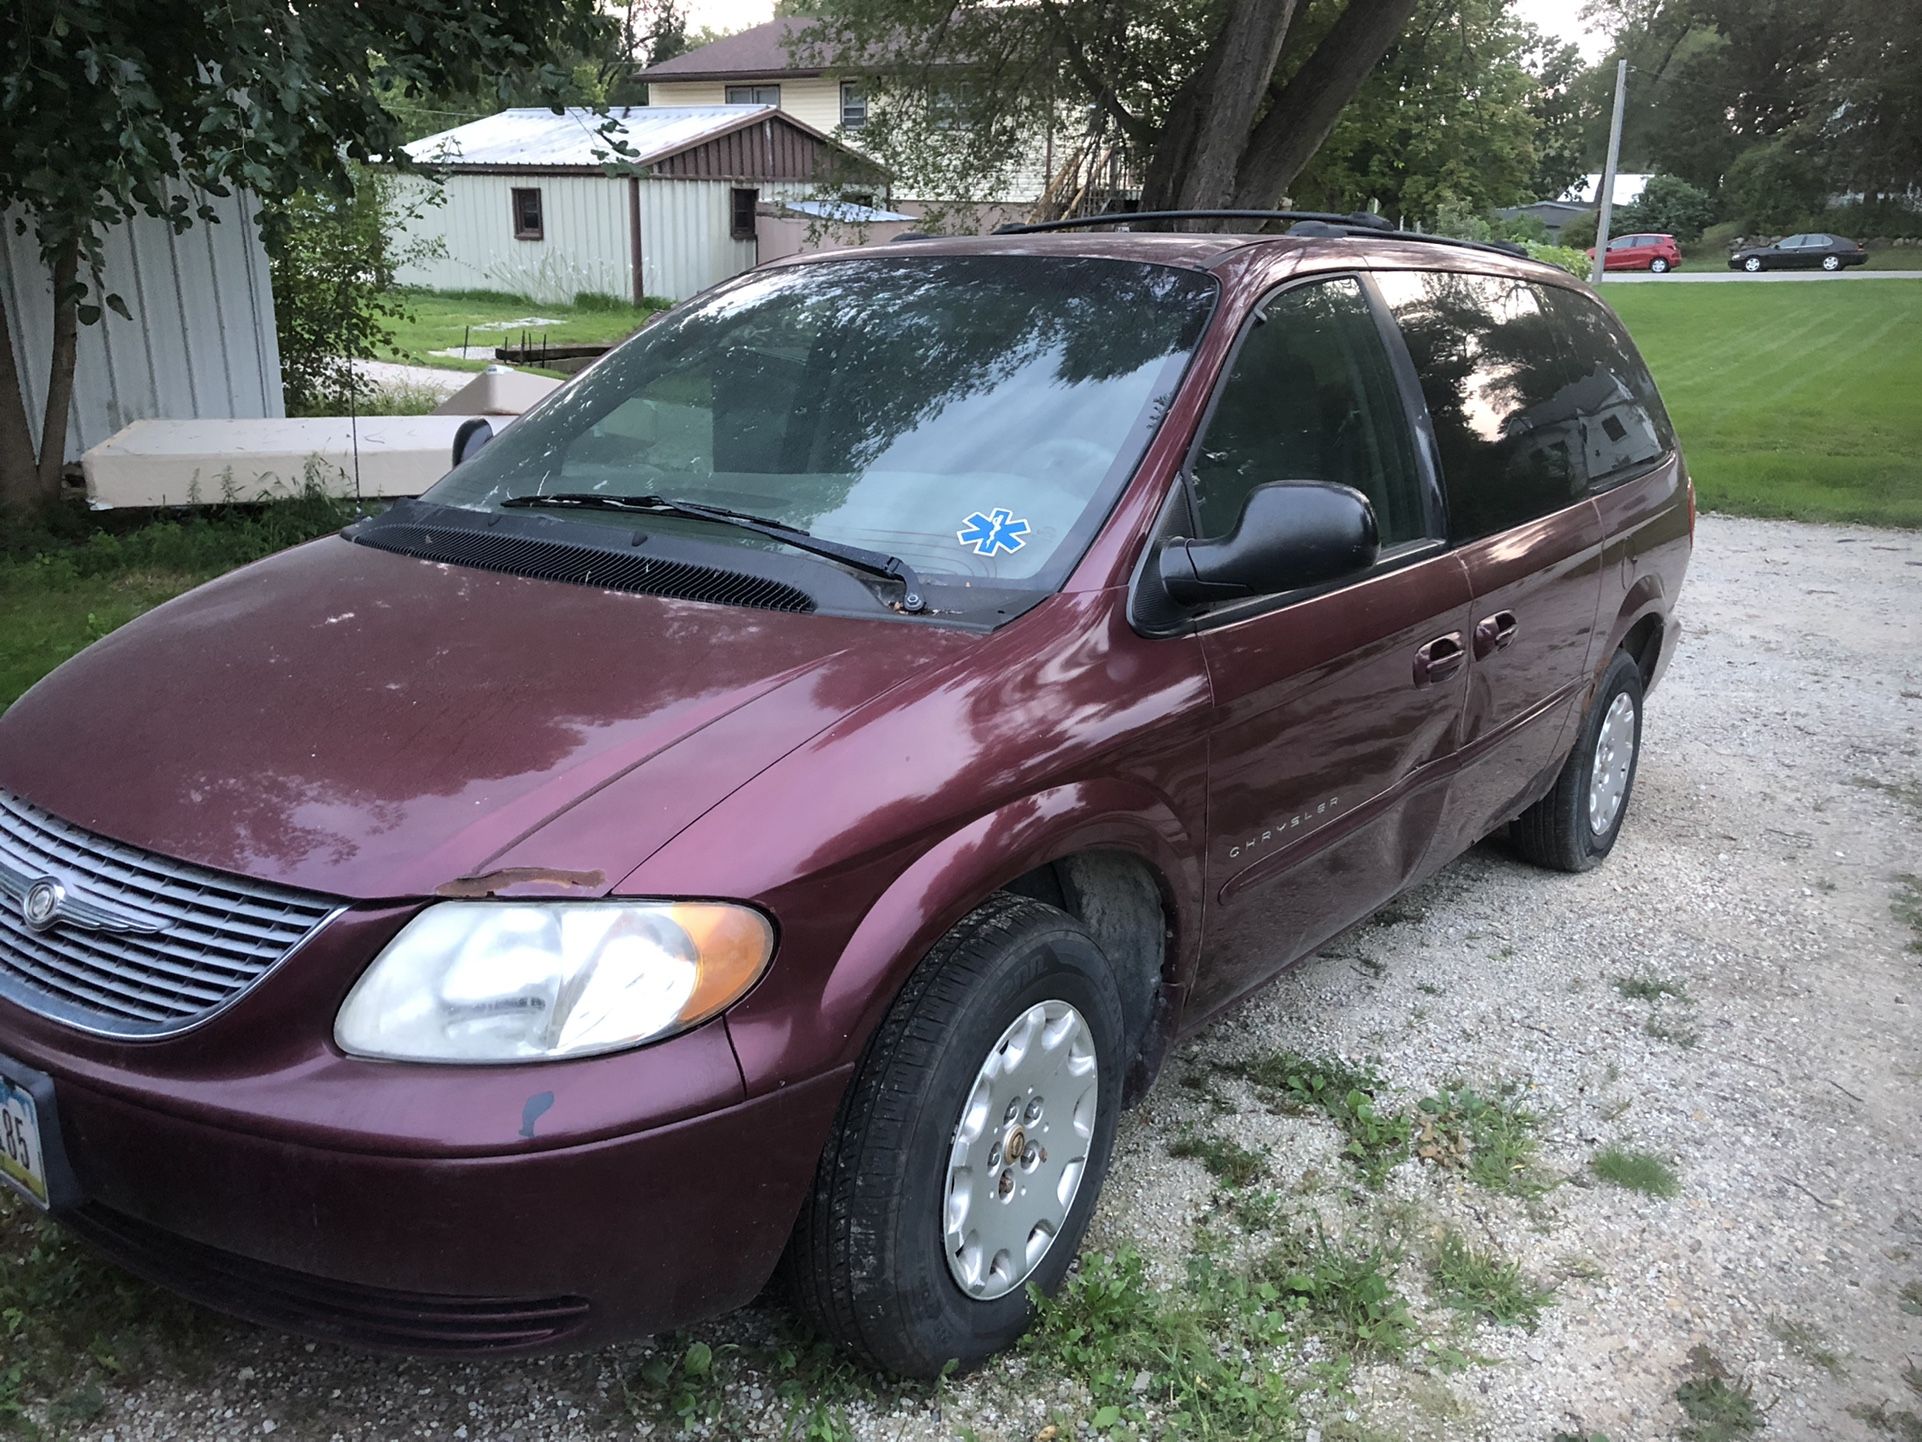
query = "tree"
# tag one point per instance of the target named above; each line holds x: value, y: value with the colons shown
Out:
x: 1773, y: 186
x: 114, y: 108
x: 332, y: 260
x: 1669, y: 205
x: 1446, y: 121
x: 1226, y: 101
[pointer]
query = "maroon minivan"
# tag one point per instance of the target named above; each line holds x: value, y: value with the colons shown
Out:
x: 782, y: 798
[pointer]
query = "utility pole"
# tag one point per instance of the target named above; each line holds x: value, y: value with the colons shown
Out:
x: 1608, y: 175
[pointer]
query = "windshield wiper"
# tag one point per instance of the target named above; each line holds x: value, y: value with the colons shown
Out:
x: 855, y: 558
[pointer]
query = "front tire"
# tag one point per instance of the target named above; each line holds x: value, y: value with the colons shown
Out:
x: 1752, y: 264
x: 1575, y: 825
x: 940, y: 1200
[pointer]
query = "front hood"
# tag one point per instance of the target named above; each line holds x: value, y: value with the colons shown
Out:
x: 369, y: 725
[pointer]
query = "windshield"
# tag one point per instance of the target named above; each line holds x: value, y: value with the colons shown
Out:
x: 974, y: 415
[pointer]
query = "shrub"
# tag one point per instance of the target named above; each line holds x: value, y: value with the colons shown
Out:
x: 1564, y: 256
x: 333, y: 260
x: 1669, y: 205
x: 1579, y: 232
x: 1773, y: 187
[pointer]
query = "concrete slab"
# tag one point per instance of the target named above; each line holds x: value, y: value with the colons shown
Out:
x: 206, y: 462
x: 497, y: 391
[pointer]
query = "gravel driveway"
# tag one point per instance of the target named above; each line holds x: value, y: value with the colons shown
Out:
x: 1779, y: 801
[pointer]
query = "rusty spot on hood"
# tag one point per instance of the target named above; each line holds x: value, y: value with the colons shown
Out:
x: 535, y: 879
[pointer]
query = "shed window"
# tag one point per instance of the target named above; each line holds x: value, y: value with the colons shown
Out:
x: 527, y: 215
x: 754, y: 95
x: 741, y: 205
x: 854, y: 105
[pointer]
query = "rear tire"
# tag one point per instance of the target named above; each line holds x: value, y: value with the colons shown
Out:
x: 1658, y: 266
x: 1831, y: 262
x: 1575, y: 825
x: 871, y: 1262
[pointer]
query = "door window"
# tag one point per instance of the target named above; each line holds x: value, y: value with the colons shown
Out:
x: 1495, y: 376
x: 1617, y: 415
x: 1311, y: 397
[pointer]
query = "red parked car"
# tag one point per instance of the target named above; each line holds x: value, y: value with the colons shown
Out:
x: 786, y: 795
x: 1657, y: 253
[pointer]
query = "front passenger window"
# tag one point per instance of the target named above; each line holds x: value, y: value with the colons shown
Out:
x: 1311, y: 398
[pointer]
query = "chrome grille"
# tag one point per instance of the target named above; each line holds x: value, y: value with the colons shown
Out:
x: 191, y: 940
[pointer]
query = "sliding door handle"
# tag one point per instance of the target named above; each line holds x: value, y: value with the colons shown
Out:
x: 1494, y: 632
x: 1440, y: 659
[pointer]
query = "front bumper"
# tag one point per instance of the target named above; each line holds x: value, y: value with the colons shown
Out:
x: 557, y: 1248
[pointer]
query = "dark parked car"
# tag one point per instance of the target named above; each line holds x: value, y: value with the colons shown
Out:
x: 527, y: 917
x: 1649, y: 251
x: 1814, y: 251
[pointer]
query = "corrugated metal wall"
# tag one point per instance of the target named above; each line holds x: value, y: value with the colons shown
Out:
x: 685, y: 245
x: 585, y: 244
x: 769, y: 149
x: 201, y: 341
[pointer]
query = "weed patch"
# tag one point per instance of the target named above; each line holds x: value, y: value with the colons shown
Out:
x: 1650, y: 988
x: 1717, y: 1409
x: 1346, y: 1297
x: 1675, y: 1033
x: 1227, y: 1161
x: 1806, y: 1342
x: 1485, y: 1284
x: 1907, y: 907
x: 1492, y: 1141
x: 1636, y: 1171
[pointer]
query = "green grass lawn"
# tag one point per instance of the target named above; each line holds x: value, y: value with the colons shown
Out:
x: 441, y: 319
x: 1799, y: 401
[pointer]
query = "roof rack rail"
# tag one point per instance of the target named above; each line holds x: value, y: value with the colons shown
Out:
x: 1360, y: 224
x: 1360, y: 219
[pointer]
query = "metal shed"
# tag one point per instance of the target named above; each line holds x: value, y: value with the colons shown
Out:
x: 537, y: 203
x: 201, y: 341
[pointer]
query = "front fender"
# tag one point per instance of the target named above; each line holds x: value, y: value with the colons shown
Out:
x: 818, y: 1012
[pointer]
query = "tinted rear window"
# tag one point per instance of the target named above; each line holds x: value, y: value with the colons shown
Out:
x: 1535, y: 392
x: 1616, y: 409
x: 1492, y: 368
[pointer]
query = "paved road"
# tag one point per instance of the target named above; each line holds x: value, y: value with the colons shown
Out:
x: 1767, y: 275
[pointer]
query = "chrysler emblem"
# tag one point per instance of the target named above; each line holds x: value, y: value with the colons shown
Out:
x: 41, y: 905
x: 45, y: 902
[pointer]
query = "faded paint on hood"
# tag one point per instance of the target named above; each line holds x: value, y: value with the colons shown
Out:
x: 370, y: 725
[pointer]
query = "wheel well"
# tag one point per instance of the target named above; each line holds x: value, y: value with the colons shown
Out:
x: 1644, y: 643
x: 1118, y: 897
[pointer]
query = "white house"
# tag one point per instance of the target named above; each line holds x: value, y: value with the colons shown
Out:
x: 200, y: 342
x: 1587, y: 190
x: 764, y: 65
x: 530, y: 205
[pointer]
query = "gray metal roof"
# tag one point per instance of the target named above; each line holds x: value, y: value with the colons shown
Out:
x: 537, y: 138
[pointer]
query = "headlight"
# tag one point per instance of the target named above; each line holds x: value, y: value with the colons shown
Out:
x: 500, y: 981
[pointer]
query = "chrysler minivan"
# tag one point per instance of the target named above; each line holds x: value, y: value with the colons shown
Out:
x: 773, y: 806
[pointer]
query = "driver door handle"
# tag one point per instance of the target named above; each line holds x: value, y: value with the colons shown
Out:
x: 1440, y: 659
x: 1494, y: 632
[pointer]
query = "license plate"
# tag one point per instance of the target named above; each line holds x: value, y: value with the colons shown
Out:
x: 22, y: 1161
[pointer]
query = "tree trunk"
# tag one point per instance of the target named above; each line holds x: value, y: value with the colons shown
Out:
x: 66, y: 328
x: 18, y: 468
x: 1200, y: 147
x: 1306, y: 109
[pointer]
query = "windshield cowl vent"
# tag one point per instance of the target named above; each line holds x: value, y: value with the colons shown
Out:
x: 578, y: 565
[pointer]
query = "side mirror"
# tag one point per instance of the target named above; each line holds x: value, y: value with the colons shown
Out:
x: 474, y: 433
x: 1290, y: 534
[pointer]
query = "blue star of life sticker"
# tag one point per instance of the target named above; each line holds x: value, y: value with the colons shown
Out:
x: 992, y: 533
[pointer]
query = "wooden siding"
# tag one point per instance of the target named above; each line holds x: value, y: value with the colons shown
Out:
x: 767, y: 150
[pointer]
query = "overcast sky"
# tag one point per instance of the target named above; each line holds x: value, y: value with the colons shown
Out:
x: 1555, y: 17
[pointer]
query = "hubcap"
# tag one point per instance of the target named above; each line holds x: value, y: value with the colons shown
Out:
x: 1020, y: 1149
x: 1614, y: 754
